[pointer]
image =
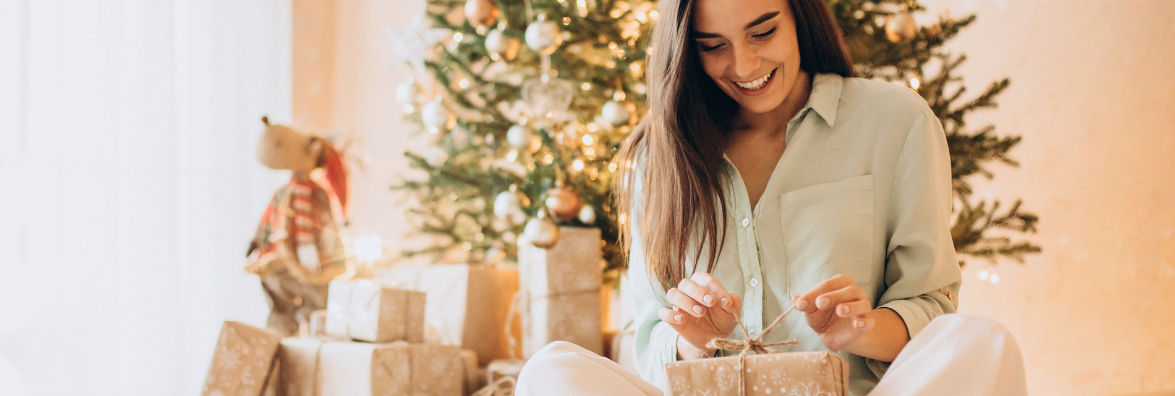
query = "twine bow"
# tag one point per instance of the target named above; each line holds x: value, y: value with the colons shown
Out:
x: 750, y: 344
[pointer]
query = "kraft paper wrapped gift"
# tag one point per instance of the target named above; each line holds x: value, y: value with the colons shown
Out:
x: 320, y: 367
x: 467, y: 305
x: 785, y: 373
x: 243, y: 363
x: 369, y: 311
x: 561, y: 291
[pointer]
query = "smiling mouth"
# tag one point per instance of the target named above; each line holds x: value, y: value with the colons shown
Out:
x: 757, y: 83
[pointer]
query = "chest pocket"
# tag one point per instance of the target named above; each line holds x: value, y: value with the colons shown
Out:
x: 828, y: 230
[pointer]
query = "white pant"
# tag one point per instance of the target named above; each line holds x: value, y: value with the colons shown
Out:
x: 954, y: 355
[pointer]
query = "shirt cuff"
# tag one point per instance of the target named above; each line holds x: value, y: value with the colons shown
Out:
x: 912, y: 313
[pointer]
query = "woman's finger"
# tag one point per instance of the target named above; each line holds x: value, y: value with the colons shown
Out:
x: 674, y: 318
x: 841, y: 296
x: 697, y: 292
x: 853, y: 308
x: 684, y: 302
x: 862, y: 324
x: 807, y: 302
x: 725, y: 299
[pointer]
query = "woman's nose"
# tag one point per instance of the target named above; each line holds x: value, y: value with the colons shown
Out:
x: 746, y: 62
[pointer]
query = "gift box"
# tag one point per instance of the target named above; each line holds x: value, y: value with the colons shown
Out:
x: 621, y: 348
x: 243, y: 362
x: 561, y: 291
x: 467, y: 305
x: 320, y: 367
x: 369, y: 311
x: 474, y: 374
x: 791, y: 373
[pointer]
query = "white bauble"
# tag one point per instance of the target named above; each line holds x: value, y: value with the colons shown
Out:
x: 543, y: 36
x: 541, y: 232
x: 436, y: 116
x: 435, y: 156
x: 497, y: 42
x: 506, y: 203
x: 615, y: 113
x: 494, y: 256
x: 519, y: 136
x: 901, y: 27
x: 587, y: 214
x: 407, y: 93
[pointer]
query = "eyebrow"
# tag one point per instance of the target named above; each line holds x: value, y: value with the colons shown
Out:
x: 762, y: 18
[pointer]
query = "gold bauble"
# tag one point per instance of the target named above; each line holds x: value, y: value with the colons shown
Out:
x: 900, y: 27
x: 563, y: 203
x: 541, y: 232
x: 481, y: 12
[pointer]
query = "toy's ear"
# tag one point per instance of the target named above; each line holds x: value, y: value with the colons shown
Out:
x: 314, y: 150
x: 265, y: 120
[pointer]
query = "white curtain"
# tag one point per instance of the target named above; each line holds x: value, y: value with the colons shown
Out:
x: 128, y: 187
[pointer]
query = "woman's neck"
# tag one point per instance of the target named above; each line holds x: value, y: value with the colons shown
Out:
x: 775, y: 121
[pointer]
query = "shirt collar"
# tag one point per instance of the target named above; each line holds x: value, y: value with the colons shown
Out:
x: 825, y: 96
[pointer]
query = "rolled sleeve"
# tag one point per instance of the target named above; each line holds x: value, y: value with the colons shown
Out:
x: 922, y: 273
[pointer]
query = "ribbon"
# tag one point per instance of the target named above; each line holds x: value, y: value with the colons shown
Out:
x: 750, y: 344
x: 495, y: 389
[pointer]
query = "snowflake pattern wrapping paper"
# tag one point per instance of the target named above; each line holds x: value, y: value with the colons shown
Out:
x: 773, y: 374
x: 467, y: 305
x: 242, y: 362
x: 318, y: 367
x: 368, y: 311
x: 561, y: 291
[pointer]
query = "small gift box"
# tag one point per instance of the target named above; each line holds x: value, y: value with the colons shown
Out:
x: 368, y: 311
x: 767, y: 373
x: 319, y: 367
x: 243, y: 363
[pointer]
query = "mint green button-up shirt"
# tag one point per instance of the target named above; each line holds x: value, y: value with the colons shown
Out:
x: 863, y: 189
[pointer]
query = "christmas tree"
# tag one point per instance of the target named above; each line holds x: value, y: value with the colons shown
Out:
x: 529, y: 101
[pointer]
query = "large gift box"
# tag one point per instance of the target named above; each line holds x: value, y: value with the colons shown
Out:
x: 368, y: 311
x: 561, y: 291
x: 467, y: 305
x: 243, y: 362
x: 318, y: 367
x: 790, y: 373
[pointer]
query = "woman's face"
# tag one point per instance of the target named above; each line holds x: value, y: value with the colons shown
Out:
x: 749, y: 48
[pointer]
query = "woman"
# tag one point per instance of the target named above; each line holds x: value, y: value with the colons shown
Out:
x: 766, y: 178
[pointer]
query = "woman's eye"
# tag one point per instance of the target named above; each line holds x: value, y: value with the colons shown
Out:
x: 706, y: 48
x: 765, y: 34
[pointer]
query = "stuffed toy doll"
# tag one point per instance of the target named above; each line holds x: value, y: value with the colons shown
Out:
x: 299, y: 247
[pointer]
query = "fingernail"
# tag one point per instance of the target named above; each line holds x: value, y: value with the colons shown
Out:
x: 822, y: 302
x: 860, y: 324
x: 707, y: 299
x: 698, y: 309
x: 844, y: 309
x: 725, y: 302
x: 677, y: 318
x: 802, y: 304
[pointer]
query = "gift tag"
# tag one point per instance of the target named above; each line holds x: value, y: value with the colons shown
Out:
x: 308, y: 256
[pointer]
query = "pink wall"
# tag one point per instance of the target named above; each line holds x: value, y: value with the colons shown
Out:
x: 1092, y: 93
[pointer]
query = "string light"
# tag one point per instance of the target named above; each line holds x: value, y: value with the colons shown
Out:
x: 983, y: 275
x: 914, y: 83
x: 577, y: 165
x: 458, y: 37
x: 995, y: 278
x: 587, y: 140
x: 586, y: 87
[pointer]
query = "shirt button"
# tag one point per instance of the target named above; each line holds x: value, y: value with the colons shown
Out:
x: 754, y: 282
x: 746, y: 222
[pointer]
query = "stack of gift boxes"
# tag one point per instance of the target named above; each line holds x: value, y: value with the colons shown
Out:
x: 425, y: 330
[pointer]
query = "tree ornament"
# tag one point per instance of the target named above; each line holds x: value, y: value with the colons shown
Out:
x: 900, y: 27
x: 508, y: 207
x: 545, y: 96
x: 563, y: 203
x: 494, y: 255
x: 541, y: 232
x: 481, y: 12
x: 543, y: 36
x: 497, y: 42
x: 435, y: 156
x: 408, y: 93
x: 436, y: 116
x: 615, y: 113
x: 587, y: 214
x: 519, y: 137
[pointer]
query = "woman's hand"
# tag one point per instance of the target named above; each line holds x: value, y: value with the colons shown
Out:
x: 702, y: 310
x: 837, y: 309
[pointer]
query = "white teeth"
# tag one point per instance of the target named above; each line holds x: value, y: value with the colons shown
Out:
x: 756, y: 83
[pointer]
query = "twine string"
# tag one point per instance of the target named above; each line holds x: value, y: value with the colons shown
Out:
x: 750, y: 345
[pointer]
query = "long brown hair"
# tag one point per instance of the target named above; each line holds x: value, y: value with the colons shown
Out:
x: 677, y: 148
